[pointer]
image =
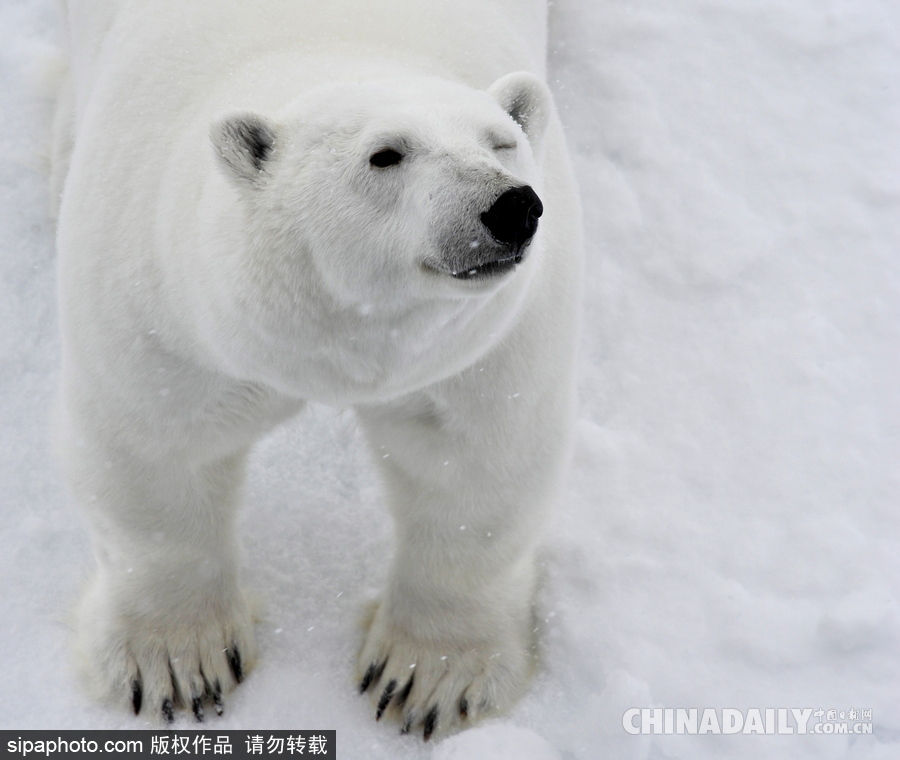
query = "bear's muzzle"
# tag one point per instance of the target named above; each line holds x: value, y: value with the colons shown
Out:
x: 511, y: 221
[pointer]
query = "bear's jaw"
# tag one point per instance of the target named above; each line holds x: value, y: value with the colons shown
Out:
x: 496, y: 263
x: 486, y: 272
x: 490, y: 268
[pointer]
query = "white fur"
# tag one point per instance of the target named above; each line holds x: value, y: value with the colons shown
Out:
x: 207, y: 291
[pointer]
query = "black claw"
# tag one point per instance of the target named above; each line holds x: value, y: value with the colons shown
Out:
x: 367, y: 679
x: 386, y: 697
x: 430, y: 723
x: 464, y: 708
x: 217, y: 698
x: 234, y: 660
x: 197, y: 707
x: 137, y: 695
x: 373, y: 673
x: 401, y: 697
x: 168, y: 710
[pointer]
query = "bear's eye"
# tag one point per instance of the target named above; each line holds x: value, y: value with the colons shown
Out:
x: 386, y: 157
x: 505, y: 146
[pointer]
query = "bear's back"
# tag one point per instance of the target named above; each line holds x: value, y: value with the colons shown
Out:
x: 186, y: 44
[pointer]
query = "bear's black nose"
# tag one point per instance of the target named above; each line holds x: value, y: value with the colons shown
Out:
x: 512, y: 219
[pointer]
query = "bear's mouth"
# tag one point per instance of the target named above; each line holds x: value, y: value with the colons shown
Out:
x: 488, y: 269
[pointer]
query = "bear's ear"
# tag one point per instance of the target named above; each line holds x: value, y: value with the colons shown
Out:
x: 527, y: 100
x: 243, y: 143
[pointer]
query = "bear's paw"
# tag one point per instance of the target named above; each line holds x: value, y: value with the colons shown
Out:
x: 440, y: 685
x: 157, y: 659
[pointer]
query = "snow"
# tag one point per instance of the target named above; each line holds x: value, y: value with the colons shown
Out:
x: 729, y: 536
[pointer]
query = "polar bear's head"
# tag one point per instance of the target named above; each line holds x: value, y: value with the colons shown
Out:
x: 393, y: 189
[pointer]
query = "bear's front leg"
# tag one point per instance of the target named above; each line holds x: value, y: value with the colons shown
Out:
x: 164, y: 623
x: 471, y: 468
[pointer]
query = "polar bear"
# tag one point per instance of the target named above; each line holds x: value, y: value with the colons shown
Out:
x: 367, y: 205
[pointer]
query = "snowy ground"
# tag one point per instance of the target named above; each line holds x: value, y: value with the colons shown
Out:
x: 730, y: 533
